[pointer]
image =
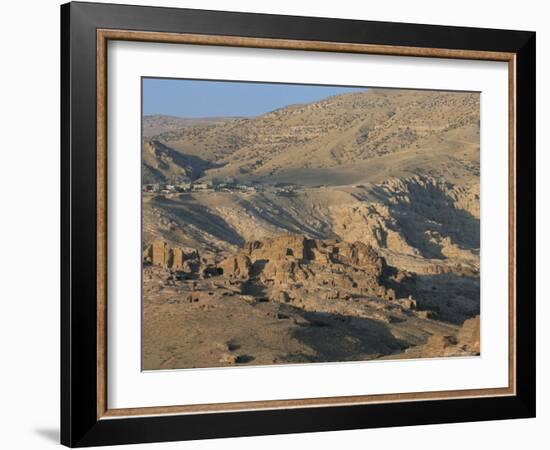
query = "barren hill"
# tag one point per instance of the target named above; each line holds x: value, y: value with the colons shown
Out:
x: 162, y: 164
x: 159, y: 123
x: 365, y: 136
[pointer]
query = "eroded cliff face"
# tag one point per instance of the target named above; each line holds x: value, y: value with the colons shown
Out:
x: 418, y: 217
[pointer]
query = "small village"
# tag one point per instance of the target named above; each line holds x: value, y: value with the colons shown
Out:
x: 228, y: 185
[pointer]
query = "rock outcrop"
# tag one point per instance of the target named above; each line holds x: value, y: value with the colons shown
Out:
x: 469, y: 336
x: 160, y: 254
x: 288, y: 247
x: 465, y: 342
x: 289, y: 268
x: 236, y: 266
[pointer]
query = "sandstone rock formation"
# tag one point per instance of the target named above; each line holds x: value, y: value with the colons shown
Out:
x: 292, y: 263
x: 464, y: 342
x: 160, y: 254
x: 299, y: 248
x: 468, y: 338
x: 236, y: 266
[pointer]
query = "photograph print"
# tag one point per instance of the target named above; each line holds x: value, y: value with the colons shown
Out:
x: 299, y: 224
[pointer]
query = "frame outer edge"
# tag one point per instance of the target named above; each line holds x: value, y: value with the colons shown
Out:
x: 526, y: 226
x: 79, y: 428
x: 65, y: 334
x: 79, y: 228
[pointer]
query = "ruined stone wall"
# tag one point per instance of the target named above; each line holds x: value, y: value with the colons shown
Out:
x: 178, y: 261
x: 159, y: 250
x: 176, y: 258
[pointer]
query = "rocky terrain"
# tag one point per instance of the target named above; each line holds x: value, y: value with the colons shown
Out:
x: 346, y: 229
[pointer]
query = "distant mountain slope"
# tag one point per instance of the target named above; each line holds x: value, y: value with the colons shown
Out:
x: 437, y: 132
x: 162, y: 164
x: 160, y: 123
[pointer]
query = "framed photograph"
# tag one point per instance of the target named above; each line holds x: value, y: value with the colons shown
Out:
x: 276, y: 224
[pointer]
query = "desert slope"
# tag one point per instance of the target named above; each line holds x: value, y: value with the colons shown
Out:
x: 407, y: 130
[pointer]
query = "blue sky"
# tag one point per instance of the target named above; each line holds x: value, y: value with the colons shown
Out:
x: 195, y: 98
